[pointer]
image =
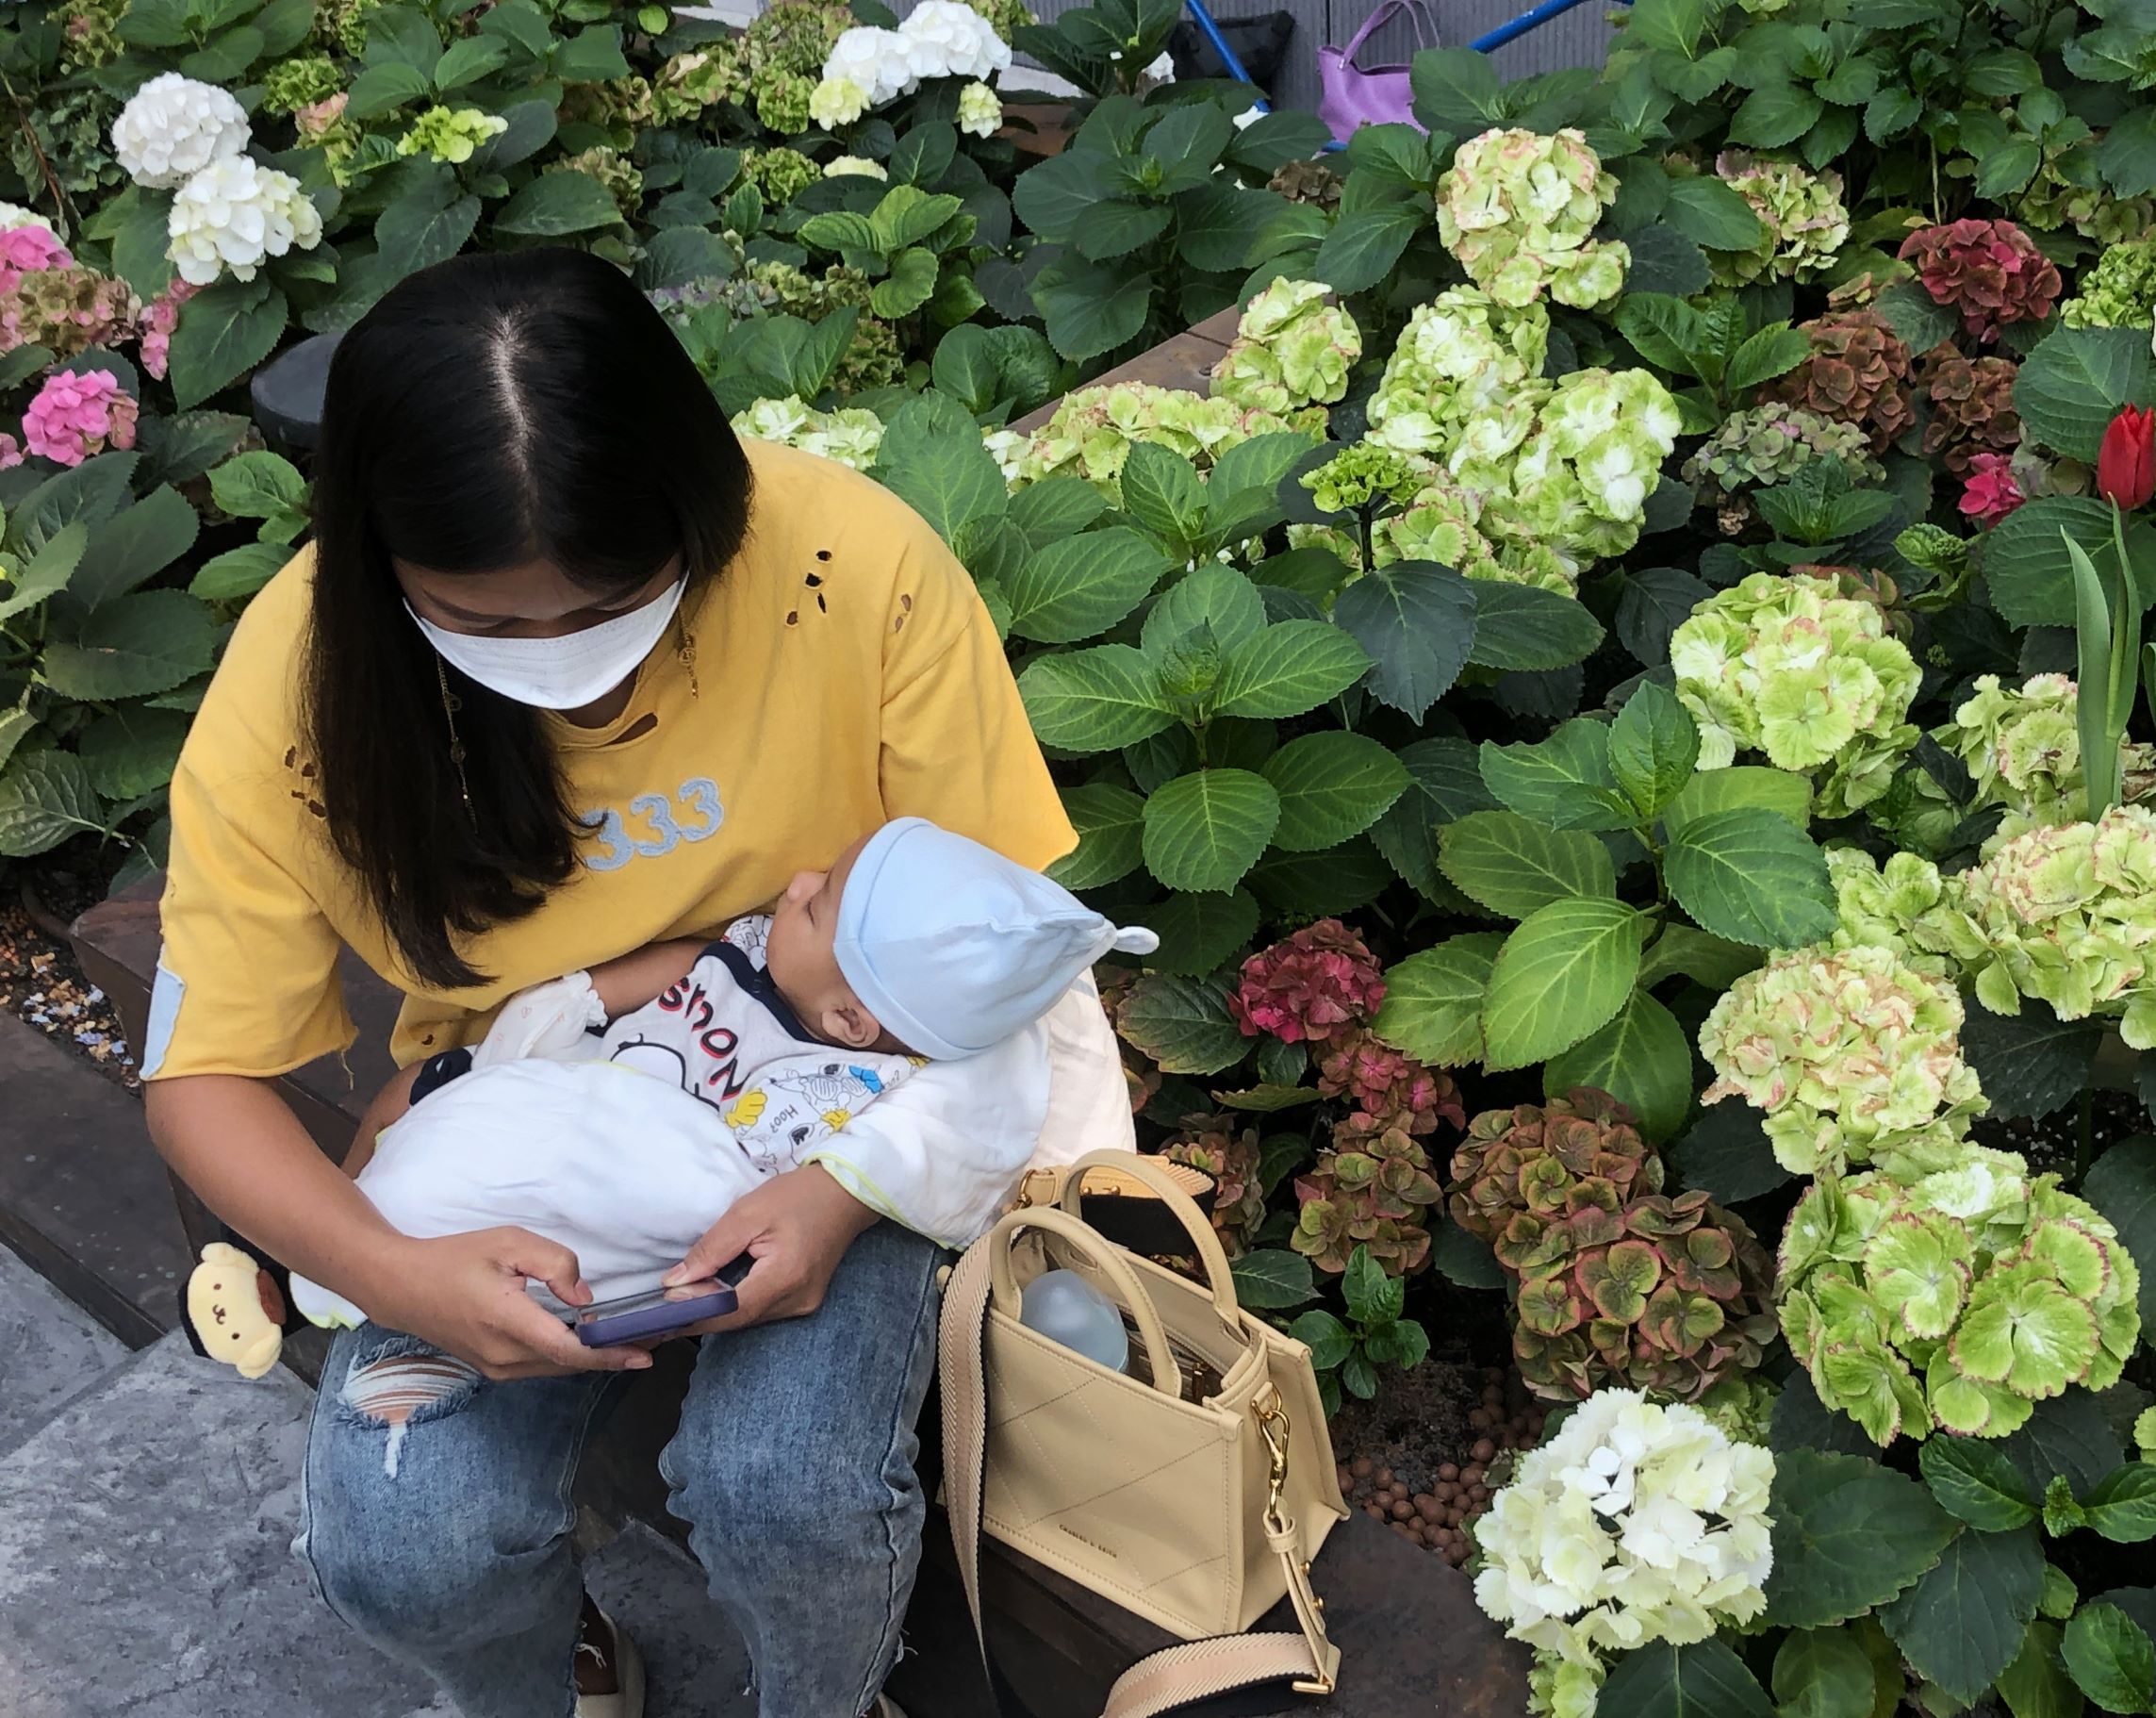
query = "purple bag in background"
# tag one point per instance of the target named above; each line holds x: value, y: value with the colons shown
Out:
x: 1352, y: 96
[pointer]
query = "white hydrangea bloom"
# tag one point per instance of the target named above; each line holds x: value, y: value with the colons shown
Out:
x: 1635, y: 1523
x: 232, y: 215
x: 839, y: 166
x: 850, y: 435
x: 1163, y: 71
x: 948, y: 39
x: 877, y: 61
x: 837, y: 101
x: 979, y: 111
x: 173, y: 127
x: 13, y: 215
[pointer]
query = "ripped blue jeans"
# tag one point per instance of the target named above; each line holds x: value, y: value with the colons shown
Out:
x: 436, y: 1511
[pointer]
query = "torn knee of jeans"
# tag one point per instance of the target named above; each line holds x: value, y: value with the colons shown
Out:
x: 397, y: 1385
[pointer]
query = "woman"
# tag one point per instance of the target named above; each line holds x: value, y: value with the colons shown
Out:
x: 566, y: 672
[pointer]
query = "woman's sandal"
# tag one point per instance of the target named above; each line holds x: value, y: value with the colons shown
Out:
x: 620, y: 1656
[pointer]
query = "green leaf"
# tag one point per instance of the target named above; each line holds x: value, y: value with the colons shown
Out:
x: 1444, y: 784
x: 950, y: 481
x: 1771, y: 353
x: 2068, y: 389
x: 1116, y: 227
x: 1848, y: 1534
x: 2127, y: 156
x: 1754, y: 877
x: 2123, y: 1506
x: 415, y: 233
x: 2122, y: 1186
x: 1216, y: 596
x: 1198, y: 932
x: 1822, y: 1673
x: 1433, y: 1001
x: 1097, y: 700
x: 1332, y: 786
x: 2032, y: 1063
x: 2111, y: 1658
x: 47, y: 571
x: 131, y: 751
x: 1653, y: 744
x: 1364, y: 247
x: 1455, y: 91
x: 237, y: 573
x: 1162, y: 491
x: 2065, y: 1437
x: 45, y: 799
x: 383, y: 89
x: 2026, y: 564
x: 1090, y: 309
x: 2036, y: 1685
x: 912, y: 280
x: 1713, y: 961
x: 557, y: 204
x: 1655, y: 600
x: 224, y: 332
x: 1182, y: 1023
x: 1781, y: 791
x: 1564, y: 782
x: 134, y: 547
x: 1702, y: 1680
x: 1326, y: 1338
x: 591, y: 56
x: 1289, y: 670
x: 1273, y: 1277
x: 1709, y: 213
x: 1665, y: 331
x: 1056, y: 506
x: 1082, y: 586
x: 1562, y: 974
x: 1206, y: 829
x: 1417, y: 620
x: 1728, y: 1154
x: 1108, y: 820
x: 15, y: 727
x: 1676, y: 27
x: 1963, y: 1622
x: 468, y: 59
x: 1774, y: 115
x: 1515, y: 867
x: 1522, y: 627
x: 257, y: 486
x: 133, y: 646
x: 1642, y: 1058
x: 1973, y: 1478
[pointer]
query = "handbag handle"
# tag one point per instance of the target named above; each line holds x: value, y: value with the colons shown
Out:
x: 1212, y: 1257
x: 1385, y: 13
x: 1103, y: 1255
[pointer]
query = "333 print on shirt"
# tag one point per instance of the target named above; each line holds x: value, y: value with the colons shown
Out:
x: 654, y: 824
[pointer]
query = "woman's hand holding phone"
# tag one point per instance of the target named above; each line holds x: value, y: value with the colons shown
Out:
x: 466, y: 1295
x: 794, y: 1228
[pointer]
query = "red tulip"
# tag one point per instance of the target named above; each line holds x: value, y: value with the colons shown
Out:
x: 2125, y: 464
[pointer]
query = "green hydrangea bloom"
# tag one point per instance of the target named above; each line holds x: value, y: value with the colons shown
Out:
x: 341, y: 24
x: 782, y: 173
x: 1898, y: 906
x: 1562, y: 1688
x: 1566, y: 468
x: 2118, y: 292
x: 1516, y: 208
x: 612, y: 169
x: 300, y: 82
x: 1853, y: 1054
x: 795, y: 35
x: 2054, y: 200
x: 1004, y: 16
x: 1958, y: 1300
x: 2023, y: 748
x: 1763, y: 445
x: 1441, y: 523
x: 1783, y: 664
x: 91, y: 36
x: 1364, y: 472
x: 1460, y: 356
x: 451, y: 134
x: 689, y: 82
x: 2067, y: 916
x: 1291, y: 349
x: 782, y: 100
x: 849, y: 434
x: 1092, y: 430
x: 1805, y: 222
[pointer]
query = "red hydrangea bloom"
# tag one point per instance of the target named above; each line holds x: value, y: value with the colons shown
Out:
x: 1320, y: 979
x: 1991, y: 493
x: 1387, y: 1088
x: 1990, y: 271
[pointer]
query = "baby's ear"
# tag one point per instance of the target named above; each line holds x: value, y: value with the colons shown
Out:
x: 851, y: 1025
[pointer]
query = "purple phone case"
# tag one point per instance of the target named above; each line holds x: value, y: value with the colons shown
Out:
x: 655, y: 1320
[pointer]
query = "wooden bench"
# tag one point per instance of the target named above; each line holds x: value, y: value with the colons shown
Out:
x: 1412, y: 1639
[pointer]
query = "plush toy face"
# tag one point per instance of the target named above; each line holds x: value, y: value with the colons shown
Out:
x: 235, y: 1310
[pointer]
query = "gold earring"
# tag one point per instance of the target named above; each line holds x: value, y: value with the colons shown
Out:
x: 451, y: 703
x: 686, y: 651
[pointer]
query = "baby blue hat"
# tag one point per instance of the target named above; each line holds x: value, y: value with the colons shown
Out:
x: 955, y: 947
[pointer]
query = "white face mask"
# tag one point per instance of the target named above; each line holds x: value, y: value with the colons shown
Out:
x: 559, y: 673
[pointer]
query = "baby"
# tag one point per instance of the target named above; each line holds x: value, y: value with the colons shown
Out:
x: 619, y: 1111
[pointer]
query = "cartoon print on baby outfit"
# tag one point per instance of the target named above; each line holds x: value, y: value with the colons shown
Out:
x: 807, y: 1099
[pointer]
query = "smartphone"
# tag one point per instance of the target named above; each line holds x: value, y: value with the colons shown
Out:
x: 634, y: 1318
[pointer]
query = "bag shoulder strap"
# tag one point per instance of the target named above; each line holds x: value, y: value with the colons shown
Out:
x: 1160, y: 1682
x: 1384, y: 15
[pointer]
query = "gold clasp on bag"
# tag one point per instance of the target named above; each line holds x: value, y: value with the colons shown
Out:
x: 1272, y: 1416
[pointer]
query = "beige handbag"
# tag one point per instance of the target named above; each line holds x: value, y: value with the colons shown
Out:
x: 1194, y: 1494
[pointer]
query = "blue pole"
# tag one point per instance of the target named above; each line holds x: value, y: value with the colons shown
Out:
x: 1228, y: 58
x: 1521, y: 25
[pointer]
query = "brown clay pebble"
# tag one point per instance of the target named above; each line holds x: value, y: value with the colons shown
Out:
x: 1384, y: 1478
x: 1346, y: 1477
x: 1444, y: 1491
x: 1360, y: 1468
x: 1493, y: 1393
x: 1402, y: 1509
x: 1481, y: 1494
x: 1457, y: 1555
x: 1479, y: 1419
x: 1448, y: 1470
x: 1427, y: 1506
x: 1472, y: 1474
x: 1376, y: 1509
x: 1484, y: 1450
x: 1400, y: 1529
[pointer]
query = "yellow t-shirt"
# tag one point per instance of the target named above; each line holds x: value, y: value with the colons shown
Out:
x: 846, y: 673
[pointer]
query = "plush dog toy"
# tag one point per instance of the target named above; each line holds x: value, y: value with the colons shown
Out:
x: 235, y: 1310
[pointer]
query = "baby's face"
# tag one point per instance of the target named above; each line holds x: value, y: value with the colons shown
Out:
x: 799, y: 954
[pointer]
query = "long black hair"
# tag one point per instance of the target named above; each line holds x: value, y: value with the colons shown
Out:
x: 494, y: 409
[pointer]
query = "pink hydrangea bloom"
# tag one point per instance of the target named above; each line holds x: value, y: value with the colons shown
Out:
x: 77, y: 414
x: 1321, y: 979
x: 316, y: 118
x: 10, y: 451
x: 1990, y: 271
x: 1991, y: 493
x: 159, y: 321
x: 27, y: 250
x: 1387, y: 1088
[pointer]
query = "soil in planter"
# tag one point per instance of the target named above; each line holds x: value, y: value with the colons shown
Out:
x: 40, y: 982
x: 1418, y: 1455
